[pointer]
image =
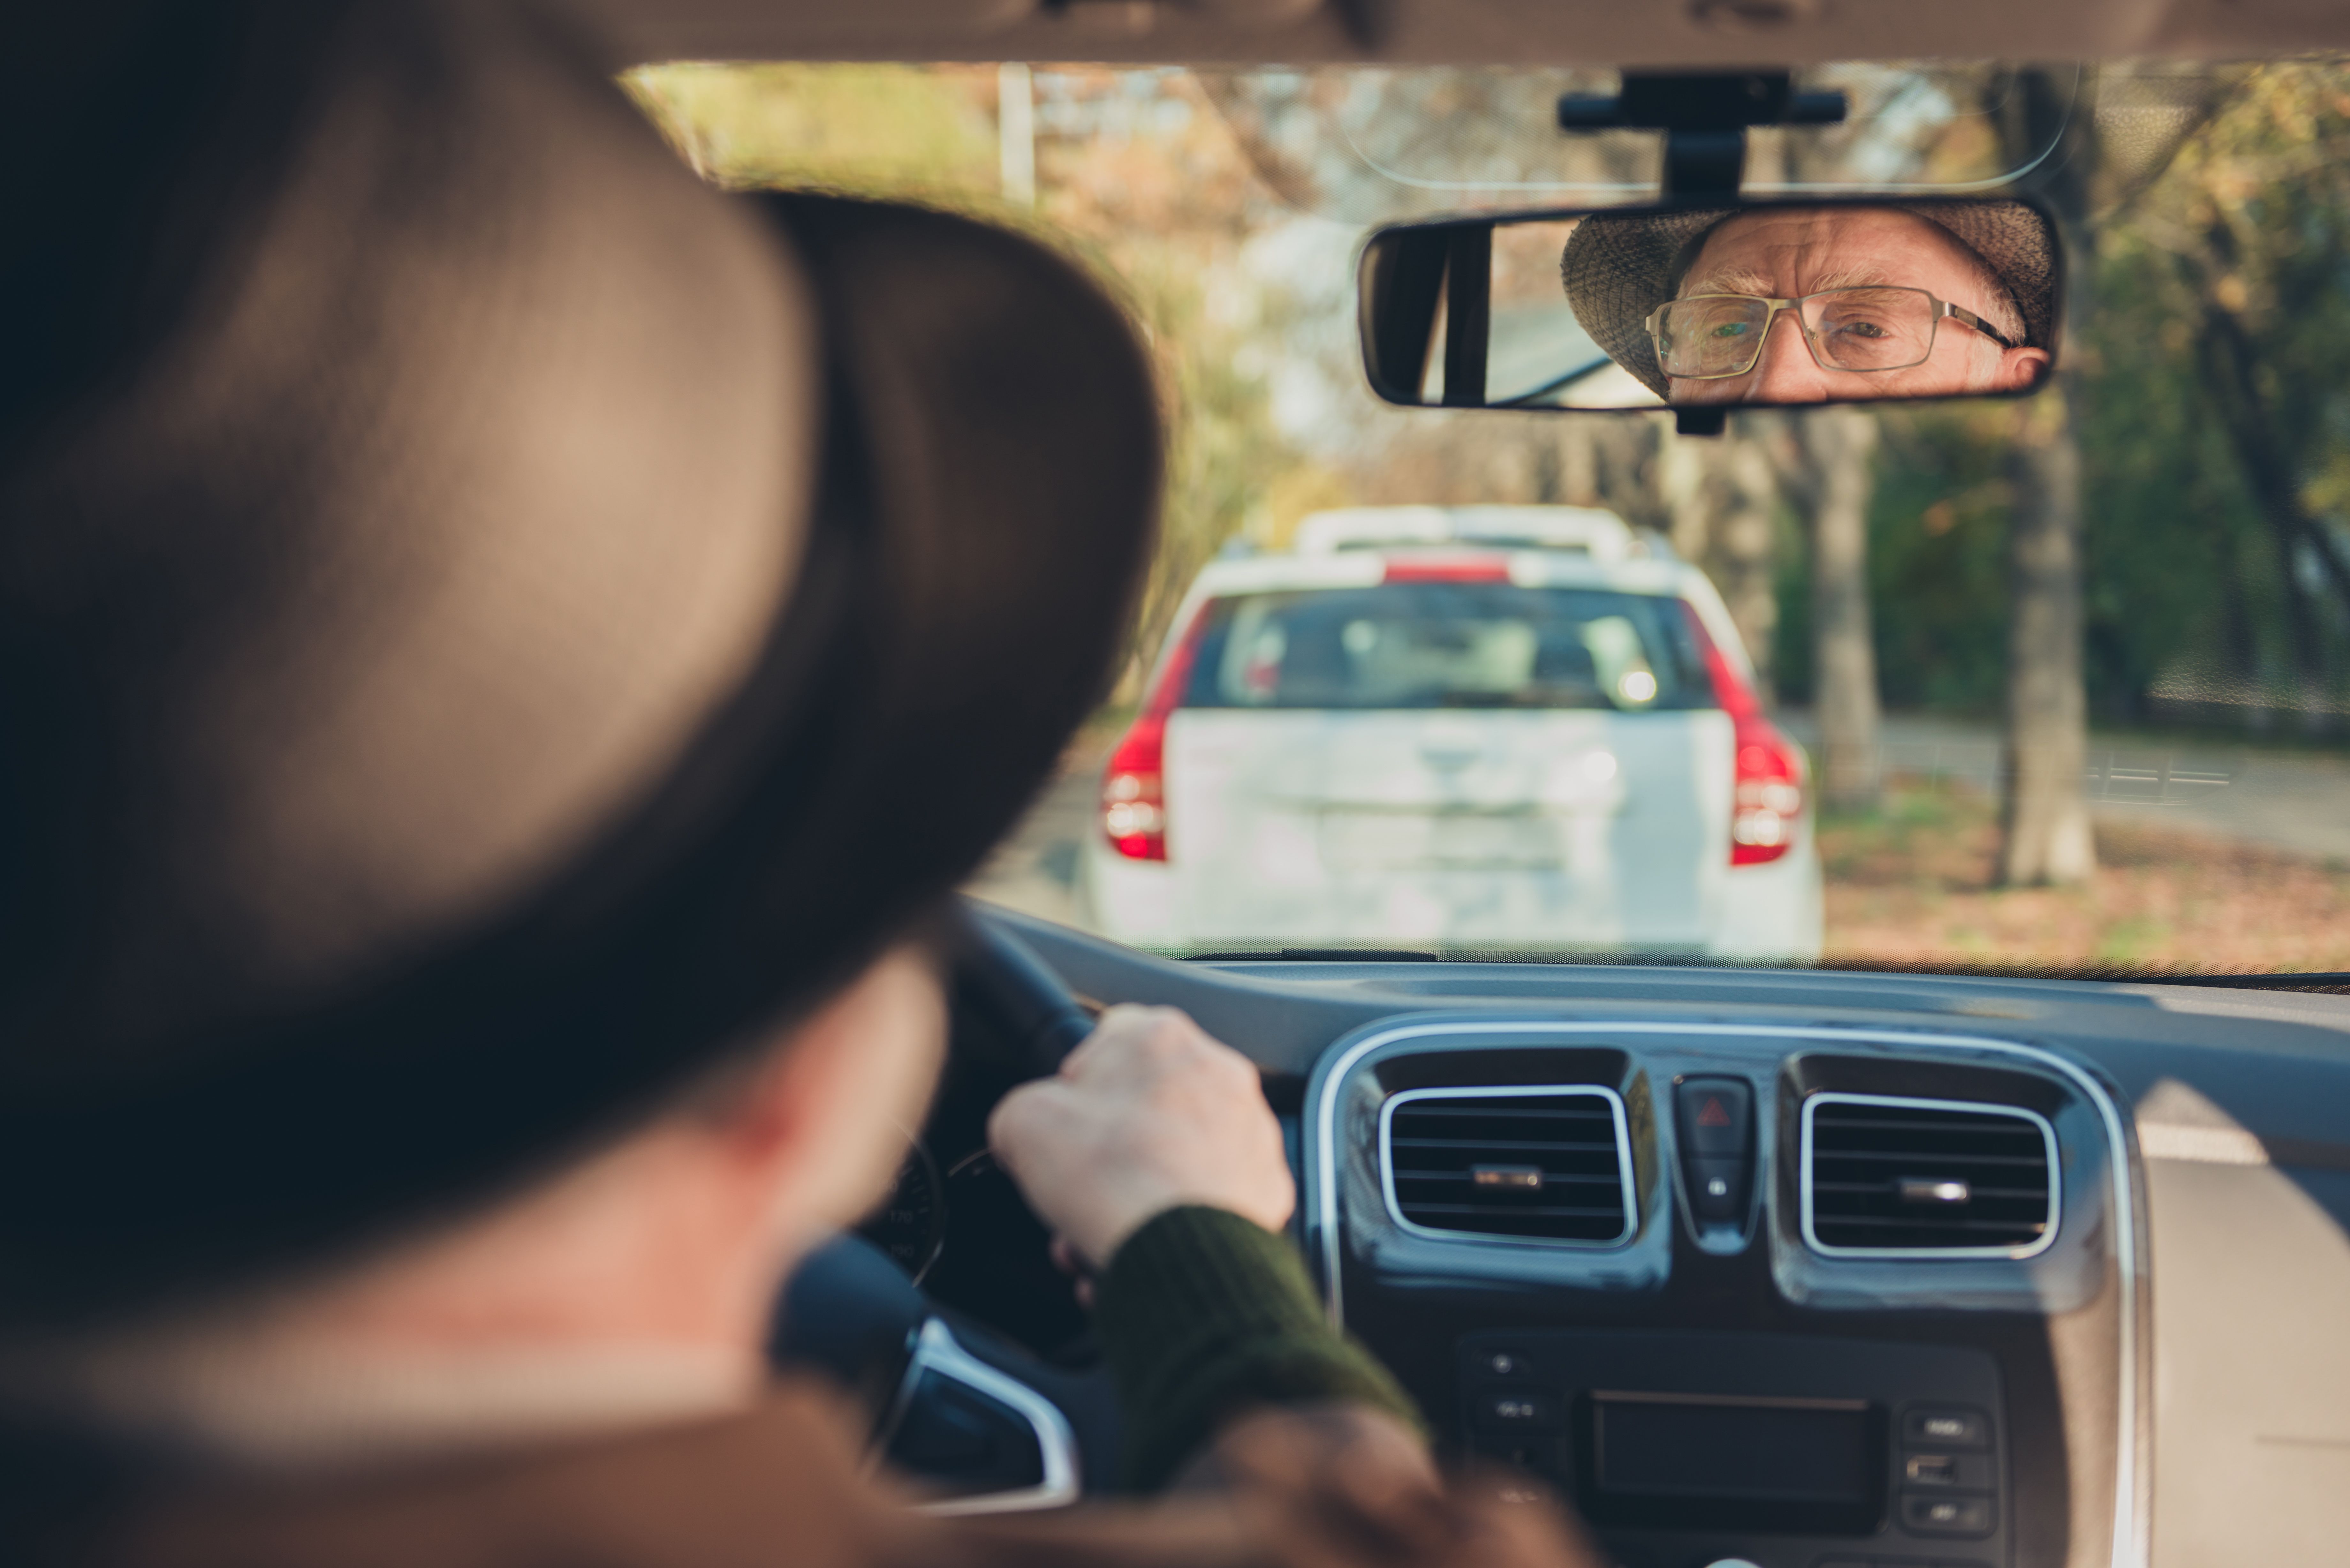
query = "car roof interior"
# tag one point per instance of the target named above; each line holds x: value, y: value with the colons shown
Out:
x: 1689, y: 34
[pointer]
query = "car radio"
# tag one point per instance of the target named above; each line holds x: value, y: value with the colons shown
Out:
x: 1780, y: 1452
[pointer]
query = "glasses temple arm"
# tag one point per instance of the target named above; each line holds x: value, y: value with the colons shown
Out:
x: 1960, y: 314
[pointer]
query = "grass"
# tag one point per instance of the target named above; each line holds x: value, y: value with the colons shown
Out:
x: 1911, y: 882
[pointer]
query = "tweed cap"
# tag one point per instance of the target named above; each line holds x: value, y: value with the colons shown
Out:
x: 1618, y: 268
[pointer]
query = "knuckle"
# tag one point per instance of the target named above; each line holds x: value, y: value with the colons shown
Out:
x: 1016, y: 1114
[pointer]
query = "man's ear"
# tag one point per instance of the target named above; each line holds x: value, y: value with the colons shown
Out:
x: 2019, y: 369
x: 826, y: 1108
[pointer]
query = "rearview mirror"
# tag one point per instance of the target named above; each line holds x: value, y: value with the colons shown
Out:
x: 1708, y: 307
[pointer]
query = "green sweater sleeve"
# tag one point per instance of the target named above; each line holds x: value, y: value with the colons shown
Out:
x: 1204, y: 1314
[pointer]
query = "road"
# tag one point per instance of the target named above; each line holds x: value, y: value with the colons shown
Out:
x: 2294, y: 801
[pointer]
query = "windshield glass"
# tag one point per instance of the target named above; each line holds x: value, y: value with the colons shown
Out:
x: 2054, y: 685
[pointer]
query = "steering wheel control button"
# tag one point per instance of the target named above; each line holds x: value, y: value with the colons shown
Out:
x: 1946, y: 1472
x: 1507, y: 1412
x: 1945, y: 1428
x: 1503, y: 1364
x: 1930, y: 1515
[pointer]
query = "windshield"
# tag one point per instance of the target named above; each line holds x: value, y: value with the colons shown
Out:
x: 2061, y: 685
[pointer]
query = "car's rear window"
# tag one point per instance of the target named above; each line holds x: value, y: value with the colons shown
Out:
x: 1448, y: 645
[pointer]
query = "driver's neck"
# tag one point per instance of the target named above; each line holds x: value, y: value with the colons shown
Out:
x: 286, y: 1407
x: 629, y: 1292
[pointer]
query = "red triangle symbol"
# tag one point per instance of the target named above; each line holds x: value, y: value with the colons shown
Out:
x: 1713, y: 1115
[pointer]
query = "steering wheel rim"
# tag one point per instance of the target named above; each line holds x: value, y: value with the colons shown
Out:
x: 1025, y: 1004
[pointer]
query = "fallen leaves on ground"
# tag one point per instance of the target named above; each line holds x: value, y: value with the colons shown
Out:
x: 1911, y: 883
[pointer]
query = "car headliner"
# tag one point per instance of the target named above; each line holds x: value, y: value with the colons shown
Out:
x: 1691, y: 33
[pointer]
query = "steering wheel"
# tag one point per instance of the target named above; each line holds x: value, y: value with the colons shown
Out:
x: 960, y: 1397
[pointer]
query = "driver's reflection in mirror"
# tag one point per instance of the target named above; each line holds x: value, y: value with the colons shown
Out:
x: 1819, y: 303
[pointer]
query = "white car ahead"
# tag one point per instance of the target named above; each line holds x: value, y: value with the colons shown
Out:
x: 1503, y: 729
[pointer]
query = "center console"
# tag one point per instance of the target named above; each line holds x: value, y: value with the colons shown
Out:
x: 1677, y: 1446
x: 1780, y: 1297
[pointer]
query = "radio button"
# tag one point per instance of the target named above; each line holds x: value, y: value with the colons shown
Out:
x: 1509, y: 1411
x: 1502, y: 1364
x: 1946, y: 1427
x: 1930, y: 1515
x: 1959, y: 1472
x: 1527, y: 1451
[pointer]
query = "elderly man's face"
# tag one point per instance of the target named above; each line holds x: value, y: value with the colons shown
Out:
x: 1786, y: 254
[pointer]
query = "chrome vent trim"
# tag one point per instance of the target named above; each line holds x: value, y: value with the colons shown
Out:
x: 1964, y: 1167
x: 1509, y: 1153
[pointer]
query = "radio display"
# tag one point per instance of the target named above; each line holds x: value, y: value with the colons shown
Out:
x: 1814, y: 1466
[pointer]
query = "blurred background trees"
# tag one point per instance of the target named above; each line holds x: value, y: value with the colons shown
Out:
x: 1874, y: 558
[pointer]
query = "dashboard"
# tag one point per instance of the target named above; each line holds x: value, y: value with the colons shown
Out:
x: 1797, y: 1270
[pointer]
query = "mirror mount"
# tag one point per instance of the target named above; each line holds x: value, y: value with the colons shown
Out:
x: 1705, y: 117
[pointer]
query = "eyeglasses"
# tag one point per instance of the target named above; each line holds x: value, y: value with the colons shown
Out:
x: 1709, y: 335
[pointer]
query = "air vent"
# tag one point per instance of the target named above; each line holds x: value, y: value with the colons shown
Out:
x: 1943, y: 1179
x: 1523, y: 1164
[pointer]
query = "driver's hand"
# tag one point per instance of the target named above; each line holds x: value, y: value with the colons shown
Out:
x: 1150, y: 1114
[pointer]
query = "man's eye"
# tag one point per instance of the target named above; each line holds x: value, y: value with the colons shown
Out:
x: 1731, y: 329
x: 1861, y: 329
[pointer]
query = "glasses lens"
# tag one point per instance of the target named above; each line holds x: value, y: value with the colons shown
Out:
x: 1710, y: 333
x: 1871, y: 328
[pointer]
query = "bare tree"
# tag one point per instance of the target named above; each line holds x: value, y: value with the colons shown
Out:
x: 2044, y: 809
x: 1720, y: 497
x: 1826, y: 464
x: 1840, y: 445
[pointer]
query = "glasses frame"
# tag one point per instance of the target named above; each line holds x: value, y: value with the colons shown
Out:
x: 1942, y: 310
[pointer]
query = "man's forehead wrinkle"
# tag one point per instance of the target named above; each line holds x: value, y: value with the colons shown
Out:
x: 1745, y: 280
x: 1855, y: 278
x: 1730, y: 280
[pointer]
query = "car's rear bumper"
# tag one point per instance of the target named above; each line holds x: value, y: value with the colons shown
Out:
x: 1765, y: 912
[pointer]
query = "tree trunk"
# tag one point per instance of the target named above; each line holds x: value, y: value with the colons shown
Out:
x: 1722, y: 498
x: 1746, y: 540
x: 2045, y: 834
x: 2045, y: 815
x: 1840, y: 443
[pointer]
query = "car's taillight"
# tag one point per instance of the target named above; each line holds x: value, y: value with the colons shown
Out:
x: 1134, y: 793
x: 1767, y: 780
x: 1770, y: 795
x: 1134, y: 784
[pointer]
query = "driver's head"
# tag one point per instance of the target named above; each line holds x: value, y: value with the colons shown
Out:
x: 1869, y: 281
x: 1816, y: 303
x: 495, y: 636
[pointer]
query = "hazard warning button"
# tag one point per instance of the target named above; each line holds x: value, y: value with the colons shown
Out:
x: 1716, y: 1121
x: 1717, y: 1118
